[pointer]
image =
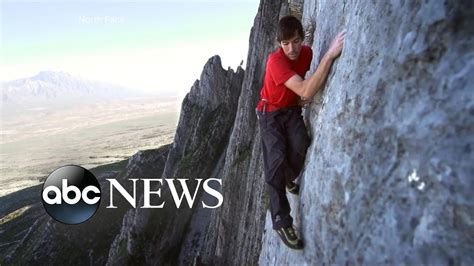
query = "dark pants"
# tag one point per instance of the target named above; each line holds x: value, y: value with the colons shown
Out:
x: 284, y: 145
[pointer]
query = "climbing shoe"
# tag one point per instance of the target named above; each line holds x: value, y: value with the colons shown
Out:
x: 289, y: 237
x: 293, y: 188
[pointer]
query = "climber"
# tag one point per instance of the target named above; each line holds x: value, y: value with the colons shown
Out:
x: 283, y: 132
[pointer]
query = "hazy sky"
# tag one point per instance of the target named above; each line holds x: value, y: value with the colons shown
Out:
x: 146, y: 45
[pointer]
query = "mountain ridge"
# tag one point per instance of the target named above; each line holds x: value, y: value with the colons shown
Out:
x: 49, y: 88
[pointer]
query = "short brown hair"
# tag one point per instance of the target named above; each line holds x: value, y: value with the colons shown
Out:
x: 287, y: 27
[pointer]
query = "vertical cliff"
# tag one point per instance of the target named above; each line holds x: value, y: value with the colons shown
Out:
x: 158, y: 236
x: 234, y: 234
x: 388, y: 177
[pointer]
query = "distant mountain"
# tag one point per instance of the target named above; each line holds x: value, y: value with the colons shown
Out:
x: 59, y: 88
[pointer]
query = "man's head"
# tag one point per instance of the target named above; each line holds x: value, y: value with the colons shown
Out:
x: 290, y: 36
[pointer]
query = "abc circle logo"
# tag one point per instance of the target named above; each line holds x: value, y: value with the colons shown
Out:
x: 71, y: 194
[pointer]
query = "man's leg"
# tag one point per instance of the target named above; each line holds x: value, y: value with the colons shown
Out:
x: 298, y: 143
x: 274, y: 153
x: 274, y: 149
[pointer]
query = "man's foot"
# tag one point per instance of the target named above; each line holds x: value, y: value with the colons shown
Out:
x: 289, y: 237
x: 293, y: 188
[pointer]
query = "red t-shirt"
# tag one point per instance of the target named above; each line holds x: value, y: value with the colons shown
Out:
x: 278, y: 70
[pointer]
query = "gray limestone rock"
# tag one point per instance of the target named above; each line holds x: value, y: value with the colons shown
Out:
x: 388, y: 177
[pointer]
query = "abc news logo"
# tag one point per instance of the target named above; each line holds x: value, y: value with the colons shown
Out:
x: 71, y: 194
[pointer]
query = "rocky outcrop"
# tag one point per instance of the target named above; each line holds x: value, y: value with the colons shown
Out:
x: 388, y: 177
x: 206, y: 119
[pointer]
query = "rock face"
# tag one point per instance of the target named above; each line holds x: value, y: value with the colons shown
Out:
x: 388, y: 177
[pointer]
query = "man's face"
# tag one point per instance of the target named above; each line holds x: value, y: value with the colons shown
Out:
x: 292, y: 47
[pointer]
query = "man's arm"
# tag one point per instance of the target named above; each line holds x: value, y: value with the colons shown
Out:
x: 308, y: 88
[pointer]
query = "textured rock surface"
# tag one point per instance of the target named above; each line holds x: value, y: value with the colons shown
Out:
x: 144, y: 164
x: 389, y: 174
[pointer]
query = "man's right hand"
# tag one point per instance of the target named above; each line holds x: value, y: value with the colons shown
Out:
x: 308, y: 88
x: 336, y: 45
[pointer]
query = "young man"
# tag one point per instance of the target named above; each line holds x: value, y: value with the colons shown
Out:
x: 284, y: 136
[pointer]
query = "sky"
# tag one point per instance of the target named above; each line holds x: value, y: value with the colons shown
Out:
x: 143, y: 45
